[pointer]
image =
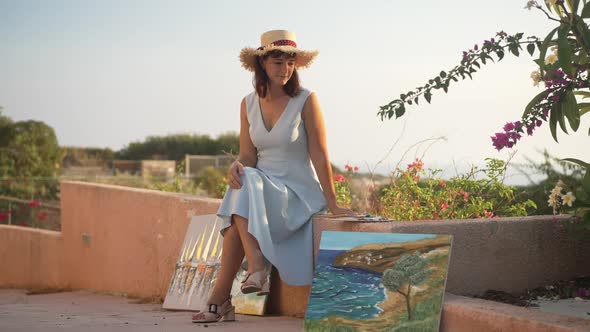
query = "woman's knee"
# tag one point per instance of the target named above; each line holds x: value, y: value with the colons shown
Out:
x: 238, y: 218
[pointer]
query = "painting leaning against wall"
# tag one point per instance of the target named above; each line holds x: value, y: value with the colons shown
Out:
x: 378, y: 282
x: 197, y: 269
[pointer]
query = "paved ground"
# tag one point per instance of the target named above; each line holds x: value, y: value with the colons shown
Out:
x: 88, y: 312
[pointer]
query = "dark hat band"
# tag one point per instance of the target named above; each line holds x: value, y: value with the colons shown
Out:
x: 282, y: 42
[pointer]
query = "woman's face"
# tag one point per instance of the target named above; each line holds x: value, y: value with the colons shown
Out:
x: 279, y: 69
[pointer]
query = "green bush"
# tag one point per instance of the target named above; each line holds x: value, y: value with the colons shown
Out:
x: 409, y: 197
x: 213, y: 181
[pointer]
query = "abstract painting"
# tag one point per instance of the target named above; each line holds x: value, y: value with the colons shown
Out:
x: 378, y: 282
x: 247, y: 304
x: 197, y: 268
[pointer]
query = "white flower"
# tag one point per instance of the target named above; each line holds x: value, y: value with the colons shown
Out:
x: 556, y: 191
x: 568, y: 199
x: 530, y: 4
x: 536, y: 76
x: 552, y: 200
x: 551, y: 59
x: 554, y: 50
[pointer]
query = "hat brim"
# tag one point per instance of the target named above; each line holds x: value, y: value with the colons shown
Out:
x: 303, y: 59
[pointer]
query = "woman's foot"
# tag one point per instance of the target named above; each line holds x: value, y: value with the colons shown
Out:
x: 256, y: 282
x: 215, y: 313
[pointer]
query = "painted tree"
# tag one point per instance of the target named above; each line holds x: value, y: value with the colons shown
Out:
x: 408, y: 271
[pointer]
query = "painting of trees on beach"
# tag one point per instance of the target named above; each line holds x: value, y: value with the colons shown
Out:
x: 378, y: 282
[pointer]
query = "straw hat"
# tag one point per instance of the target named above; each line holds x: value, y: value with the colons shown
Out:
x: 282, y: 40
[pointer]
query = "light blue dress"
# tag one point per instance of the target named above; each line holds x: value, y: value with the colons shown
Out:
x: 279, y: 196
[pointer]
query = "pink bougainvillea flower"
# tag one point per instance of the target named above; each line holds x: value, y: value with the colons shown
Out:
x: 9, y: 212
x: 356, y: 168
x: 442, y: 183
x: 339, y: 178
x: 34, y: 204
x: 3, y: 216
x: 444, y: 206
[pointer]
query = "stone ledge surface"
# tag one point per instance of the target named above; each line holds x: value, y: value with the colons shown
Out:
x: 462, y: 313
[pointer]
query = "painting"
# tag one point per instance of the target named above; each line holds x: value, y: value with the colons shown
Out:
x: 378, y: 282
x: 197, y: 268
x: 247, y: 304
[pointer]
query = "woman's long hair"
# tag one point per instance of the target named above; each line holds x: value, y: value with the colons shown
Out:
x: 261, y: 80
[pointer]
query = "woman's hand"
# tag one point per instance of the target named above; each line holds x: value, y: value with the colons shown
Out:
x: 338, y: 211
x: 233, y: 175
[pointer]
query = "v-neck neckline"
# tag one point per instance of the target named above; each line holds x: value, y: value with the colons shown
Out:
x: 278, y: 120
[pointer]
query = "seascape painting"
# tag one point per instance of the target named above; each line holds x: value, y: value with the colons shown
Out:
x: 197, y: 268
x: 378, y: 282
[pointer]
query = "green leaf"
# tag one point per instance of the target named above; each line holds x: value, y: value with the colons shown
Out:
x: 570, y: 110
x: 586, y: 179
x: 586, y: 11
x: 544, y: 47
x: 584, y: 33
x: 443, y: 74
x: 400, y: 111
x: 531, y: 48
x: 560, y: 116
x: 553, y: 121
x: 583, y: 108
x: 500, y: 55
x: 565, y: 50
x: 534, y: 101
x: 427, y: 96
x: 584, y: 94
x: 575, y: 5
x: 578, y: 161
x: 416, y: 100
x: 514, y: 49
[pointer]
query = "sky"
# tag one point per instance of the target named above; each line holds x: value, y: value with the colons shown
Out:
x: 346, y: 240
x: 108, y: 73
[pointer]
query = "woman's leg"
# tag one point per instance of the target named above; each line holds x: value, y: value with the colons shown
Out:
x: 231, y: 260
x: 250, y: 245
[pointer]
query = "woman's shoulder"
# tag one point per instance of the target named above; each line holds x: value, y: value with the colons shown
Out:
x: 304, y: 94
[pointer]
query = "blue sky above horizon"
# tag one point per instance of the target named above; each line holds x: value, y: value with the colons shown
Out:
x: 104, y: 74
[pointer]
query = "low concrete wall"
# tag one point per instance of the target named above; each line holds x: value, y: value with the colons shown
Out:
x: 31, y: 258
x: 508, y: 254
x: 124, y: 240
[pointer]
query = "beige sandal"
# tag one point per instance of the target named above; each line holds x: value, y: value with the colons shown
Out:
x: 256, y: 282
x: 215, y: 313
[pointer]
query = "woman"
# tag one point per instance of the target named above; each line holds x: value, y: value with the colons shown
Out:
x: 274, y: 191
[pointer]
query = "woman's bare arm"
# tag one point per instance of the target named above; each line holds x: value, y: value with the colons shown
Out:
x: 248, y: 153
x: 318, y: 151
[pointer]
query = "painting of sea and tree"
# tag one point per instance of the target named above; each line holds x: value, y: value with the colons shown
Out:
x: 197, y: 266
x: 378, y: 282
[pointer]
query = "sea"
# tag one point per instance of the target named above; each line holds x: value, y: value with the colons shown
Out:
x: 345, y: 292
